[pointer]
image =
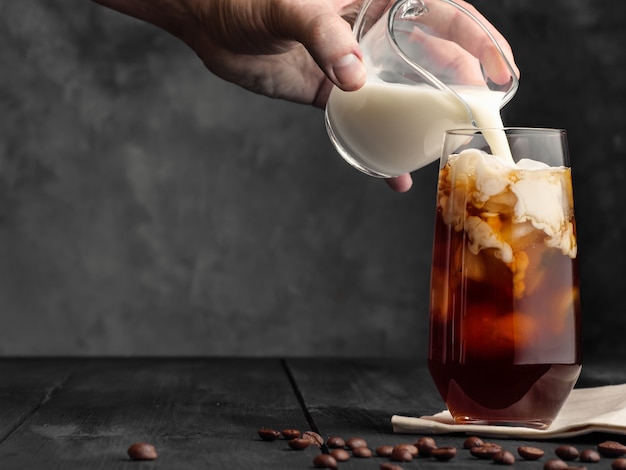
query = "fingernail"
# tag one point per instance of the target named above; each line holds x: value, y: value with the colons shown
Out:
x: 349, y: 70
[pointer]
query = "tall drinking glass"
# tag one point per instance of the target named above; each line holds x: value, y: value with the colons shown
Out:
x: 504, y: 308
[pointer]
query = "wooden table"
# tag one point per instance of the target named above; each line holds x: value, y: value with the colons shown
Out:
x: 205, y: 413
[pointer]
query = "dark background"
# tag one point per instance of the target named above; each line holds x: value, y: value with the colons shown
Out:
x: 149, y: 208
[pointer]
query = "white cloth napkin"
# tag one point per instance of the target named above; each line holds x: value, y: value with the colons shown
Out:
x: 586, y: 410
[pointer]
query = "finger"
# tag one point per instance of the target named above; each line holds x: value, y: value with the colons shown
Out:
x: 445, y: 58
x: 329, y: 40
x: 450, y: 23
x: 400, y: 183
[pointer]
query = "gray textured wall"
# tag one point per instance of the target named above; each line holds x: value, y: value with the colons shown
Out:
x: 147, y: 207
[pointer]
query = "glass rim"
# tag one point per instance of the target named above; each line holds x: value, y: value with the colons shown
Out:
x: 507, y: 129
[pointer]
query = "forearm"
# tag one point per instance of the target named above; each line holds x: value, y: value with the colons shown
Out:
x: 173, y: 16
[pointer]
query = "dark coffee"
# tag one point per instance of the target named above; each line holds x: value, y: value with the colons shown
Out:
x: 504, y: 313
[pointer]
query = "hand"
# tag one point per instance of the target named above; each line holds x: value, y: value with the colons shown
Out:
x: 289, y: 49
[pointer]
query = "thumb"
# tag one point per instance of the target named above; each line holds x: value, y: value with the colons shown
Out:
x: 329, y: 40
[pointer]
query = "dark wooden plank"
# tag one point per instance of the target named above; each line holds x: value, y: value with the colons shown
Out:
x: 25, y: 385
x: 357, y: 397
x: 198, y: 413
x: 360, y: 395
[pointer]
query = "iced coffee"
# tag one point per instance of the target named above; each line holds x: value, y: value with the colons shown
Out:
x: 504, y: 312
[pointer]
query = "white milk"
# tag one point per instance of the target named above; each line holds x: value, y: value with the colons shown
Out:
x: 390, y: 129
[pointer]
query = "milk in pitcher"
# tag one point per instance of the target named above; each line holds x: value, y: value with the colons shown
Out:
x: 389, y: 129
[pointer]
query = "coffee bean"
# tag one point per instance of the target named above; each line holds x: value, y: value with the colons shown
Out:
x: 341, y: 455
x: 472, y: 441
x: 399, y: 454
x: 504, y: 457
x: 589, y: 455
x: 142, y: 451
x: 410, y: 447
x: 566, y: 452
x: 314, y: 437
x: 443, y: 453
x: 390, y: 466
x: 335, y: 442
x: 355, y: 442
x: 611, y: 449
x: 425, y: 445
x: 299, y: 443
x: 384, y: 451
x: 325, y: 461
x: 362, y: 452
x: 268, y: 434
x: 555, y: 464
x: 530, y: 453
x: 290, y: 434
x: 619, y: 464
x: 485, y: 451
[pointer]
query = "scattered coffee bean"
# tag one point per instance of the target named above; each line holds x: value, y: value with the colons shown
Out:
x: 425, y: 445
x: 268, y: 434
x: 335, y: 442
x: 142, y: 451
x: 290, y: 434
x: 399, y: 454
x: 341, y: 455
x: 472, y: 441
x: 314, y: 437
x: 325, y: 461
x: 443, y: 453
x: 355, y: 442
x: 566, y: 452
x: 589, y: 456
x: 410, y: 447
x: 619, y: 464
x: 384, y: 451
x: 362, y: 452
x: 555, y: 464
x: 299, y: 443
x: 390, y: 466
x: 485, y: 451
x: 530, y: 453
x: 504, y: 457
x: 611, y: 449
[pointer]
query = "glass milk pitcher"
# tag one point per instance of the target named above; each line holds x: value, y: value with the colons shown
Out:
x: 432, y: 66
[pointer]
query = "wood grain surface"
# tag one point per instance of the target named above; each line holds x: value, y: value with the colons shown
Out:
x: 205, y: 413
